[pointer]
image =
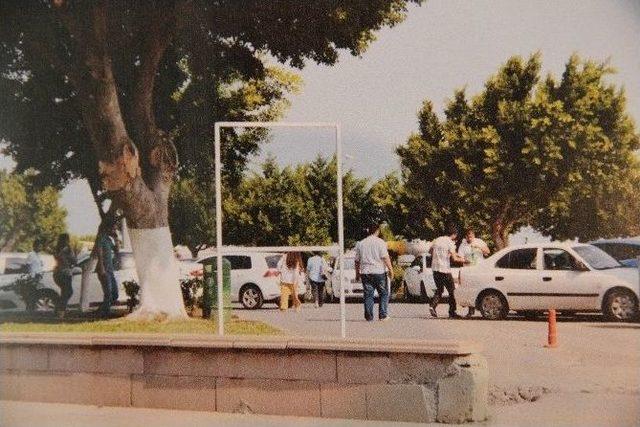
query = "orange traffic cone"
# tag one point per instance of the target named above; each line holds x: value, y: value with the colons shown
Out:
x: 553, y: 331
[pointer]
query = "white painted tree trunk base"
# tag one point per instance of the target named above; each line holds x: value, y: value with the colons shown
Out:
x: 158, y: 275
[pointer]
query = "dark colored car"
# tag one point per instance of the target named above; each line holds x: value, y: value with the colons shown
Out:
x: 626, y: 251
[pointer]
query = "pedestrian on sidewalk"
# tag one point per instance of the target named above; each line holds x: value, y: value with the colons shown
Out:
x: 472, y: 249
x: 290, y: 268
x: 372, y: 267
x: 106, y: 251
x: 443, y: 250
x: 317, y: 272
x: 63, y: 273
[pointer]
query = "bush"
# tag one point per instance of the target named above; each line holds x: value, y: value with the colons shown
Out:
x: 132, y: 289
x: 398, y: 274
x: 192, y: 293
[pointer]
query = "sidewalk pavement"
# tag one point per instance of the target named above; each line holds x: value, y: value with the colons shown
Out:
x: 571, y: 409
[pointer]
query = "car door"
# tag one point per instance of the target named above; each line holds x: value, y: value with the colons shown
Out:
x: 565, y: 282
x: 413, y: 275
x: 516, y: 275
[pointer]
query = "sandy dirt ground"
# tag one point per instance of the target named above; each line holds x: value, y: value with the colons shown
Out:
x: 591, y: 379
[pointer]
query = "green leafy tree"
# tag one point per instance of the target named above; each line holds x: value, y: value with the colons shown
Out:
x: 27, y: 214
x: 102, y: 75
x: 526, y: 151
x: 291, y: 206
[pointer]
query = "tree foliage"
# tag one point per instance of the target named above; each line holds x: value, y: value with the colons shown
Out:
x: 554, y: 154
x: 175, y: 68
x: 27, y: 214
x: 276, y: 206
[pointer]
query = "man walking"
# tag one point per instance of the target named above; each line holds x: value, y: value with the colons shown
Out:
x: 371, y: 260
x: 106, y: 252
x: 472, y: 249
x: 443, y: 249
x: 317, y: 271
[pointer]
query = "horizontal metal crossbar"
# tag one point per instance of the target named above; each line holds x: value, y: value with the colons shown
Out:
x: 261, y: 249
x: 276, y: 125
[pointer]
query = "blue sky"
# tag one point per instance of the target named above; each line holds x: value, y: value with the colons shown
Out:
x: 443, y: 45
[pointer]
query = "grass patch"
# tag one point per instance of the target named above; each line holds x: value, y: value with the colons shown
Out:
x: 83, y: 324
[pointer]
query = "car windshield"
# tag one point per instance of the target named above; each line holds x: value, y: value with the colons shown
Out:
x: 596, y: 257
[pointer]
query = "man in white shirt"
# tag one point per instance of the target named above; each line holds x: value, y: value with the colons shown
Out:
x: 443, y: 249
x: 372, y: 266
x: 317, y: 271
x: 472, y: 249
x: 34, y: 260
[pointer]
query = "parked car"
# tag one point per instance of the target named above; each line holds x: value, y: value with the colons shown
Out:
x: 537, y: 277
x: 352, y: 287
x: 254, y: 278
x: 13, y: 265
x: 626, y: 251
x: 418, y: 283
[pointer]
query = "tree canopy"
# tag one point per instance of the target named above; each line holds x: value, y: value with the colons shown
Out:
x: 27, y: 214
x: 276, y: 206
x: 555, y: 154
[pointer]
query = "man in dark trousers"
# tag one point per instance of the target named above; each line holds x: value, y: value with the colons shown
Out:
x: 443, y: 249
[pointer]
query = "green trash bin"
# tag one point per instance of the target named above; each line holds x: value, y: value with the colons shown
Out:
x: 210, y: 290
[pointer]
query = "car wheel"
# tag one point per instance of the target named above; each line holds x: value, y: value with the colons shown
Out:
x: 620, y: 305
x: 493, y: 306
x: 45, y: 301
x: 251, y: 297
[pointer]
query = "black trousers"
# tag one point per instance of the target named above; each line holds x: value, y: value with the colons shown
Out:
x: 317, y: 288
x: 444, y: 281
x: 63, y: 280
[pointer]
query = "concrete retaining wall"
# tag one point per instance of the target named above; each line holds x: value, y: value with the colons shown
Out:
x: 420, y: 381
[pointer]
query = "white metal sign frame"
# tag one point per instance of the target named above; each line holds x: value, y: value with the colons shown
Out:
x: 220, y: 250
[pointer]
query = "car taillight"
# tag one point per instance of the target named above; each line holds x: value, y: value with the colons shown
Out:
x: 272, y: 272
x: 195, y: 273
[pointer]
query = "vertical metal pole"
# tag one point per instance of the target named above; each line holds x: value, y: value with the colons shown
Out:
x: 218, y: 166
x: 343, y: 323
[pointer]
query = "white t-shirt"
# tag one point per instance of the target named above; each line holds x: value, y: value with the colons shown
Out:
x: 472, y: 251
x: 34, y: 261
x: 443, y: 247
x: 288, y: 275
x: 370, y: 253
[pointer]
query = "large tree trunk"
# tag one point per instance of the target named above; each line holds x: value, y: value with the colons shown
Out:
x: 500, y: 234
x: 137, y: 165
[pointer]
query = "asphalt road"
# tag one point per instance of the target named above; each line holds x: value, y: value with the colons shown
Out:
x: 596, y: 365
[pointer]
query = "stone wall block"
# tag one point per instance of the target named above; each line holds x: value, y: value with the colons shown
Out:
x: 463, y: 391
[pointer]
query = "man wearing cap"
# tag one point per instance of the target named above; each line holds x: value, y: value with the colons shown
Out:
x: 372, y: 266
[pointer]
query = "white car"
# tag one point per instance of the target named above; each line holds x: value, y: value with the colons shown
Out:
x: 352, y: 287
x: 14, y: 265
x: 254, y: 278
x: 537, y: 277
x: 418, y: 283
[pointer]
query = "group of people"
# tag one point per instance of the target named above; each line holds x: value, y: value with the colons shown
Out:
x: 104, y: 251
x: 291, y: 269
x: 373, y: 268
x: 443, y: 251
